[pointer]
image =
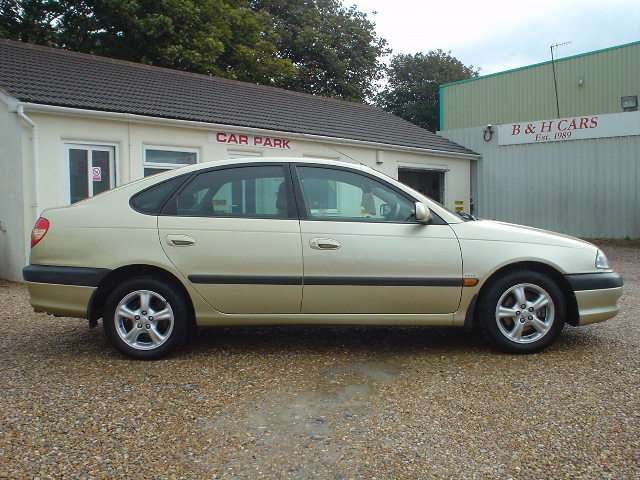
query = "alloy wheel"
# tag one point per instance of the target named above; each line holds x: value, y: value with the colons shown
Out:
x: 525, y: 313
x: 144, y: 320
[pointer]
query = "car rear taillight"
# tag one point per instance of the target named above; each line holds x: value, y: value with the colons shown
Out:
x: 40, y: 229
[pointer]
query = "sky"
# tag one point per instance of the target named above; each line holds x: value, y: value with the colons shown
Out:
x: 499, y: 35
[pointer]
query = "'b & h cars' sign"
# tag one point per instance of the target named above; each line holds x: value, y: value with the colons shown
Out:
x: 570, y: 128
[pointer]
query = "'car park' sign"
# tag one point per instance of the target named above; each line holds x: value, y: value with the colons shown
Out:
x: 570, y: 128
x: 252, y: 140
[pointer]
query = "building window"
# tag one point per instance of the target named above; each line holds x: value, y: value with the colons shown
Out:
x: 91, y: 170
x: 159, y: 159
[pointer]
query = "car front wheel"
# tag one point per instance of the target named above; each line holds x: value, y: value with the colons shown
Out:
x: 522, y: 312
x: 145, y: 318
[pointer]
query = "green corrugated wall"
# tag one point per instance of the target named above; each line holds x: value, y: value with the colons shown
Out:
x: 528, y: 94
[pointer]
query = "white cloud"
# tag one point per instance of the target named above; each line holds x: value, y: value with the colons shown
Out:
x: 503, y: 34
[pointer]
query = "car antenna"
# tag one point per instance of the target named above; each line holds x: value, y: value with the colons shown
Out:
x: 347, y: 155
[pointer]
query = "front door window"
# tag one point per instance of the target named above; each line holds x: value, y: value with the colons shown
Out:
x: 342, y: 195
x: 91, y: 170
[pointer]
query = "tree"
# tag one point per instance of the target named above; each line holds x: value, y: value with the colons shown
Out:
x: 315, y: 46
x: 218, y: 37
x: 412, y: 91
x: 30, y: 21
x: 335, y: 49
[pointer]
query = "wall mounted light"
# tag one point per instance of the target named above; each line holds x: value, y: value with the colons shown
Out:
x: 487, y: 134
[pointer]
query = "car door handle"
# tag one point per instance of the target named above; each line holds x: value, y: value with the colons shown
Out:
x: 180, y: 240
x: 324, y: 244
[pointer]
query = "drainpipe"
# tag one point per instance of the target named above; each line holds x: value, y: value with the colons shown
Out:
x: 36, y: 160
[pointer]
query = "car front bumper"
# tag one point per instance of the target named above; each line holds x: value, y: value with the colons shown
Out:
x: 597, y: 295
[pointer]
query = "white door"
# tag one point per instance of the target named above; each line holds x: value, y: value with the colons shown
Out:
x: 363, y: 251
x: 91, y: 170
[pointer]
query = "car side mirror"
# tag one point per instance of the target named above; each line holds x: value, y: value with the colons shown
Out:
x: 423, y: 214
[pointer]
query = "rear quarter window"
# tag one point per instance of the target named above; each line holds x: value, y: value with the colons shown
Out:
x: 152, y: 199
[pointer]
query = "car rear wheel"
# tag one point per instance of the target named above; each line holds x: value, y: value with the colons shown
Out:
x: 146, y: 318
x: 522, y: 312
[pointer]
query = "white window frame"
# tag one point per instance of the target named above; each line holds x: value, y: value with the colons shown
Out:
x: 321, y: 157
x: 90, y: 148
x: 167, y: 166
x: 233, y: 153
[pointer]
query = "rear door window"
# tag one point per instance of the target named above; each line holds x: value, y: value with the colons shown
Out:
x: 243, y: 192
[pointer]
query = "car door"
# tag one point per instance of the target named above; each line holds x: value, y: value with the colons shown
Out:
x: 234, y: 233
x: 364, y: 252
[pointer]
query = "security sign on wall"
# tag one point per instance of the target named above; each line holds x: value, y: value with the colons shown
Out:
x: 251, y: 140
x: 96, y: 174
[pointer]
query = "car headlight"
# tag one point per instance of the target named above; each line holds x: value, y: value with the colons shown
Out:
x: 601, y: 260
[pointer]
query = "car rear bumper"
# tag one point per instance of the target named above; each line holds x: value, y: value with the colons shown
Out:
x: 597, y: 295
x: 60, y: 300
x: 62, y: 291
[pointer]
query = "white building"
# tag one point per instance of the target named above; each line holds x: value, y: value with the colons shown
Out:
x: 74, y: 125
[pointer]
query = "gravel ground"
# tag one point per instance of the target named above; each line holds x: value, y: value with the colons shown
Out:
x: 321, y: 402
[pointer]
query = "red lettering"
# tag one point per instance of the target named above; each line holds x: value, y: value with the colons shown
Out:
x: 267, y: 142
x: 530, y: 128
x: 277, y: 143
x: 257, y: 140
x: 516, y: 129
x: 572, y: 125
x: 221, y: 137
x: 232, y: 138
x: 560, y: 125
x: 594, y: 122
x: 285, y: 143
x: 584, y: 123
x: 547, y: 126
x: 243, y: 140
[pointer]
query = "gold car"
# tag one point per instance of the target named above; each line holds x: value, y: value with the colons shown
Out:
x: 302, y: 241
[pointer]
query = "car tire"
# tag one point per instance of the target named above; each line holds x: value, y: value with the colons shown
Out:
x: 514, y: 329
x: 146, y: 318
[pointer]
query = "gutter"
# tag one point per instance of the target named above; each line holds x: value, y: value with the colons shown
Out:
x: 130, y: 117
x: 34, y: 153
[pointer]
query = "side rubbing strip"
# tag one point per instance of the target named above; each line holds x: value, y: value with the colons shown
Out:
x: 245, y: 280
x: 386, y: 281
x: 327, y: 280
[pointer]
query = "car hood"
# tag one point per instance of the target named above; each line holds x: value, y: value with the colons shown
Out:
x: 509, y: 232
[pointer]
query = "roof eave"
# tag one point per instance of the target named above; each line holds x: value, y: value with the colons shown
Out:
x: 132, y: 117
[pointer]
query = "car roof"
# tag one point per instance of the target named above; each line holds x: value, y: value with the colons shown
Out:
x: 245, y: 160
